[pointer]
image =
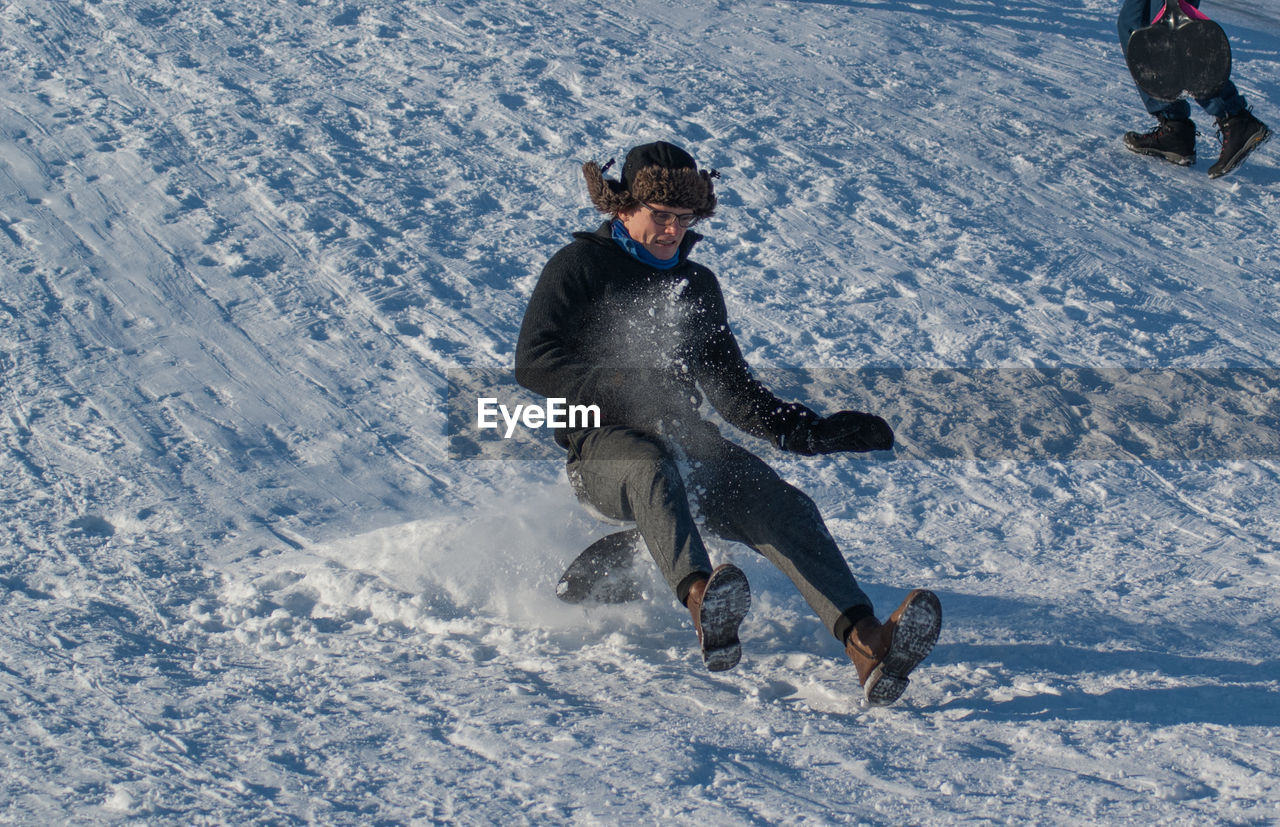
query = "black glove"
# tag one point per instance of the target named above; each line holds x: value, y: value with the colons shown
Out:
x: 843, y: 431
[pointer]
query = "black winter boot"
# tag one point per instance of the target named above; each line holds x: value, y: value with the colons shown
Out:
x: 1173, y: 140
x: 1241, y: 134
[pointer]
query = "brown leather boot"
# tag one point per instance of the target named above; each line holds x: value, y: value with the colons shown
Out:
x: 717, y: 606
x: 885, y: 653
x: 866, y: 645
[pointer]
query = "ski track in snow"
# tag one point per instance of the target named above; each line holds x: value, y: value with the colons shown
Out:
x: 242, y: 581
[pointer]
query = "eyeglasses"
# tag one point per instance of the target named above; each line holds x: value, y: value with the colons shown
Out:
x: 665, y: 219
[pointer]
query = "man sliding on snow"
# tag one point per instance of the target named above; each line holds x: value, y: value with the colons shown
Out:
x: 623, y: 319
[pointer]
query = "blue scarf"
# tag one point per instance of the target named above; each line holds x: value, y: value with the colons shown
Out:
x: 638, y: 252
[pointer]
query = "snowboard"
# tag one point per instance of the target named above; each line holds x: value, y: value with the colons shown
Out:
x: 1181, y: 52
x: 605, y: 571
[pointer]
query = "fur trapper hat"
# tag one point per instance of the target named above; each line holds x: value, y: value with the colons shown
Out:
x: 656, y: 173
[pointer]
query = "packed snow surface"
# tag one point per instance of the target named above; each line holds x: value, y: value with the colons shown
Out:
x: 244, y: 578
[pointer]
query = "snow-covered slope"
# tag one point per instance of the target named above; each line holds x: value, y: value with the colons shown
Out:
x: 243, y: 579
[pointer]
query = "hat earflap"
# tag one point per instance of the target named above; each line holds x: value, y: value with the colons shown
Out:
x: 607, y: 196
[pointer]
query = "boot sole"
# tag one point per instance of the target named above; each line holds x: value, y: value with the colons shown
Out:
x: 727, y: 601
x: 1250, y: 145
x: 913, y: 640
x: 1171, y: 157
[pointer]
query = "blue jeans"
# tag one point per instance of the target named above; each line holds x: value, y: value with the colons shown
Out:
x: 1138, y: 14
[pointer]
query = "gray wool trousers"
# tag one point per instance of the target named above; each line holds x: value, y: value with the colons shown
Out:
x: 632, y: 475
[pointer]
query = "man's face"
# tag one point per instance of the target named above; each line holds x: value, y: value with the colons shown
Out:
x: 644, y: 223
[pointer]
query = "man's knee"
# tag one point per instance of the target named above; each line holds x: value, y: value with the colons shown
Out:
x: 630, y: 467
x: 652, y: 474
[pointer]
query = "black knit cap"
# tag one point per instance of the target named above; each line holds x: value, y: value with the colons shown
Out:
x: 657, y: 154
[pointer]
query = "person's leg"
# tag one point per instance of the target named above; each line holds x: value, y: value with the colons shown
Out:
x: 1227, y: 101
x: 1240, y: 131
x: 1138, y: 14
x: 1174, y: 136
x: 744, y: 500
x: 628, y: 474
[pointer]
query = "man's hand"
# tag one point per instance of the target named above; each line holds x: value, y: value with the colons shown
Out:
x: 843, y: 431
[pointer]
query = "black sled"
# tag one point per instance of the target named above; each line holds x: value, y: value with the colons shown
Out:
x: 1181, y: 53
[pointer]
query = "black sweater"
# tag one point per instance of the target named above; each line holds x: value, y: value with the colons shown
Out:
x: 643, y: 344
